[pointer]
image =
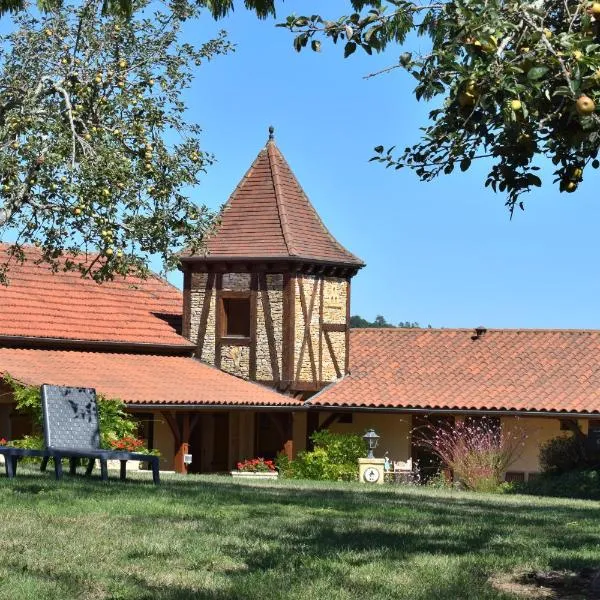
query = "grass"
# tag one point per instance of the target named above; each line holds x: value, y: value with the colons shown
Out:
x: 207, y: 537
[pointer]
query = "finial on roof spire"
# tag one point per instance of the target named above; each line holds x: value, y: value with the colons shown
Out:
x: 271, y: 133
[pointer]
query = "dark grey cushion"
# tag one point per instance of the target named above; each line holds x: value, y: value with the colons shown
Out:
x: 70, y: 418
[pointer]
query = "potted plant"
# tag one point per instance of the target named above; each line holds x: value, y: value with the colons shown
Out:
x: 255, y: 468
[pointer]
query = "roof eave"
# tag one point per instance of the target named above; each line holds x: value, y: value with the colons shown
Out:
x: 36, y: 342
x: 217, y: 258
x: 458, y: 411
x: 212, y: 407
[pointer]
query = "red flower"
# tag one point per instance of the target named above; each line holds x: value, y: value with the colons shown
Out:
x: 128, y: 443
x: 256, y: 465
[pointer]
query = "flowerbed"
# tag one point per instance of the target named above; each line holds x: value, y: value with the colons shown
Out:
x: 256, y: 468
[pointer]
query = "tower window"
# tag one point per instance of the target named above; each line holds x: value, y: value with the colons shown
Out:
x: 236, y: 317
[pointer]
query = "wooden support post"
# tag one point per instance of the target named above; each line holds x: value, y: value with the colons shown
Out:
x: 180, y: 466
x: 183, y: 447
x: 288, y: 449
x: 181, y: 427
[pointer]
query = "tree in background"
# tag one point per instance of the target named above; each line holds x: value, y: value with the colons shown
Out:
x: 95, y: 153
x: 357, y: 322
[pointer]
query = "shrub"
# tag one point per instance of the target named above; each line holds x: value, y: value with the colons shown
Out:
x: 561, y: 454
x: 334, y: 458
x: 284, y: 465
x: 477, y: 452
x: 440, y: 481
x: 580, y: 483
x: 29, y: 442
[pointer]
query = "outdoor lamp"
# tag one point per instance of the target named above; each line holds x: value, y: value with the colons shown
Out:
x: 372, y: 440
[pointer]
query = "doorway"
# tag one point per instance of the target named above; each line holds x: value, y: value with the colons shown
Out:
x: 273, y: 430
x: 209, y: 444
x: 428, y: 463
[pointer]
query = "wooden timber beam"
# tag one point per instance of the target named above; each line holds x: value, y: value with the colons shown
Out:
x: 181, y: 426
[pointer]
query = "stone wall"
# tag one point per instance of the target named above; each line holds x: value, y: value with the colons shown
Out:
x: 236, y: 360
x: 197, y: 296
x: 269, y: 351
x: 236, y: 282
x: 335, y: 293
x: 332, y: 292
x: 335, y: 308
x: 337, y: 339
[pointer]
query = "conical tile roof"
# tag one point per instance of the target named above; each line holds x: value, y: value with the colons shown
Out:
x: 269, y: 216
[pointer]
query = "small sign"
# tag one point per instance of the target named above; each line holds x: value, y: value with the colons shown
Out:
x: 187, y: 459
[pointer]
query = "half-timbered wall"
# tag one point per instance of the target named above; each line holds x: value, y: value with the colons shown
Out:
x: 298, y: 332
x: 258, y: 358
x: 321, y: 325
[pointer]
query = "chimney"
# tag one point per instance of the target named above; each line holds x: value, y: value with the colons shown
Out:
x: 479, y: 332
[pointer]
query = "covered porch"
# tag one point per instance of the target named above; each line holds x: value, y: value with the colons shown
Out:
x: 396, y: 430
x: 183, y: 406
x: 215, y: 439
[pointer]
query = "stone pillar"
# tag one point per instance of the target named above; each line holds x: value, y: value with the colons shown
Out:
x: 371, y: 470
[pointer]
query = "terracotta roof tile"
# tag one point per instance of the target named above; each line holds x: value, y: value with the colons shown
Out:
x: 138, y: 379
x: 40, y: 303
x: 517, y: 370
x: 269, y: 216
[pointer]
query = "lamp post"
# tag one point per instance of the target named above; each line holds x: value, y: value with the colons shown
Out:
x: 372, y: 439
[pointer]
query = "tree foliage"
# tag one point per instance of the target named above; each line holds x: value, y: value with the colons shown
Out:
x: 124, y: 8
x: 96, y: 154
x: 511, y: 81
x: 357, y: 322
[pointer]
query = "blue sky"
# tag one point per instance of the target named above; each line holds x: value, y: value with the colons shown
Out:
x: 442, y: 253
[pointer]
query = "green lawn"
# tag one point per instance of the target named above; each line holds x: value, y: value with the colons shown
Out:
x: 210, y: 538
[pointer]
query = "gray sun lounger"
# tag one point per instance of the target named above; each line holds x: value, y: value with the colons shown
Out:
x: 71, y: 430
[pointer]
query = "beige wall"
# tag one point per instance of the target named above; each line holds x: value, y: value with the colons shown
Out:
x: 538, y: 431
x: 241, y: 435
x: 299, y: 431
x: 393, y: 429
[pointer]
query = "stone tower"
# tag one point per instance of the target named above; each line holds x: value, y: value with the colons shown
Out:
x: 269, y: 300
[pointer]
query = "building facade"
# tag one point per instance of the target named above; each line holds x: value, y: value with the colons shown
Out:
x: 257, y: 354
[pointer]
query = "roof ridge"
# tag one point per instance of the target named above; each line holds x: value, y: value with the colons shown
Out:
x: 471, y: 329
x: 283, y: 220
x: 312, y: 208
